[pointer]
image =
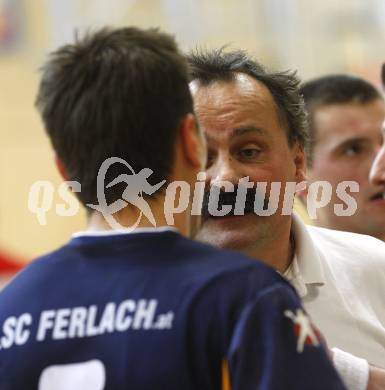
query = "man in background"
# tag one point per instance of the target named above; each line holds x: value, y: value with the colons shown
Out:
x: 377, y: 172
x: 346, y: 115
x: 254, y: 121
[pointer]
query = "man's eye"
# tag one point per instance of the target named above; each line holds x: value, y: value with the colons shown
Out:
x: 249, y: 153
x: 353, y: 150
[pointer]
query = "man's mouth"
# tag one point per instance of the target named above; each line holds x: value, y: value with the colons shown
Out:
x: 228, y: 200
x: 228, y: 217
x: 379, y: 196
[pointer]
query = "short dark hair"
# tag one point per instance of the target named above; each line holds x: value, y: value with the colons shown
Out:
x: 115, y: 93
x: 221, y: 65
x: 330, y: 90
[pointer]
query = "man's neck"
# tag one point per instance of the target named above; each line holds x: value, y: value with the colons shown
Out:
x: 381, y: 236
x: 130, y: 216
x: 278, y: 254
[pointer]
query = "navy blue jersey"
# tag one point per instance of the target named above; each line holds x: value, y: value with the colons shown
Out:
x: 155, y: 311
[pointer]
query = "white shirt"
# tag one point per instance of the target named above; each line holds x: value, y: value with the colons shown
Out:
x: 340, y: 277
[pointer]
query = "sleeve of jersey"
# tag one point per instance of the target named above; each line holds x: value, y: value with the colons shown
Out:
x: 275, y: 346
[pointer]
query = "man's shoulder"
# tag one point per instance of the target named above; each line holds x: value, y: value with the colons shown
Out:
x: 231, y: 284
x: 350, y: 246
x: 34, y: 272
x: 220, y: 266
x: 184, y: 262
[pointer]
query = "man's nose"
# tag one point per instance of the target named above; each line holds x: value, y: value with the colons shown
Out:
x: 377, y: 171
x: 224, y: 169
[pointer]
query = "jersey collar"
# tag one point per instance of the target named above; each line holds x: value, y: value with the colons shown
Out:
x: 106, y: 233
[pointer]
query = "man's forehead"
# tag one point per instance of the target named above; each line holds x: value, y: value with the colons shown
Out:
x: 241, y: 84
x: 342, y: 119
x: 237, y: 77
x: 241, y: 97
x: 230, y: 108
x: 236, y: 133
x: 345, y: 124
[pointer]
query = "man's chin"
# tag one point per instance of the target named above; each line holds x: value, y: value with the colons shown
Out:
x: 372, y: 222
x: 230, y: 232
x: 230, y: 220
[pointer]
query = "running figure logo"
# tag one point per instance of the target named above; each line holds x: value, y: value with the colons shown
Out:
x: 303, y: 329
x: 137, y: 185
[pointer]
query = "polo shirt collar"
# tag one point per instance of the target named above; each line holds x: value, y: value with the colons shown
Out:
x: 306, y: 267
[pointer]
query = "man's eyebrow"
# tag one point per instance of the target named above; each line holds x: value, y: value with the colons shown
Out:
x: 352, y: 141
x: 237, y: 132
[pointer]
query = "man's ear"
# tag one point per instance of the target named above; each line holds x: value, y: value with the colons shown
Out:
x: 300, y: 163
x: 60, y: 168
x: 299, y: 158
x: 302, y: 194
x: 193, y: 144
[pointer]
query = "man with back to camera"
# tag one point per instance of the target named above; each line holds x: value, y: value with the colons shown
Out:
x: 254, y: 122
x: 346, y: 115
x: 148, y: 308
